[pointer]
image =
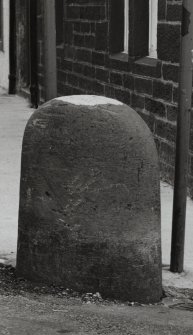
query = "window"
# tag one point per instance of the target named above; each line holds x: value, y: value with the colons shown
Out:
x: 133, y: 27
x: 1, y: 24
x: 117, y: 12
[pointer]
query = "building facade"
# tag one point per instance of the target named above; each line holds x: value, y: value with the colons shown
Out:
x: 123, y: 49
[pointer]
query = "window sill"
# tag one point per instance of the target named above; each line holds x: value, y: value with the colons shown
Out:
x: 147, y: 66
x: 120, y: 56
x: 120, y: 62
x: 148, y: 61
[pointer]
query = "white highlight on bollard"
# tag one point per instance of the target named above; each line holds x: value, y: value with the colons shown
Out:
x: 89, y: 100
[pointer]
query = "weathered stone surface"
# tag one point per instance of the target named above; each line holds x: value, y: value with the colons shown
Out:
x: 89, y: 214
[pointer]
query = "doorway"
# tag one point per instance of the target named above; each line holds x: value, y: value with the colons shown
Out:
x: 27, y: 50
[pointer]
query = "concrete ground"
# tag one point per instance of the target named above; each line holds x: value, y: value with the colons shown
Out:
x: 29, y: 315
x: 14, y: 113
x: 30, y: 312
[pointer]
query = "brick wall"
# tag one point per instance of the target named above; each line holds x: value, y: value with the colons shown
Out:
x: 86, y: 66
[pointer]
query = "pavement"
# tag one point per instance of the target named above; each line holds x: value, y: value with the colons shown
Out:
x: 29, y: 312
x: 26, y: 315
x: 14, y: 113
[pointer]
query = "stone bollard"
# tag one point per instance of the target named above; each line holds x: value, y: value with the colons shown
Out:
x: 89, y: 213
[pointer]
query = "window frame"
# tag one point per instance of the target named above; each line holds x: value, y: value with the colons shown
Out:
x: 126, y: 26
x: 153, y: 20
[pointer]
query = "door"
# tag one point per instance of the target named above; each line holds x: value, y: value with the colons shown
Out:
x: 27, y: 49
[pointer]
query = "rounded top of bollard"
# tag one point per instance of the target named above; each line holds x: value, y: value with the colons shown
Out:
x: 88, y: 100
x: 102, y: 119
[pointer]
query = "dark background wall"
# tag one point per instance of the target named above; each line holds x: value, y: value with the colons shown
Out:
x: 22, y: 17
x: 87, y: 65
